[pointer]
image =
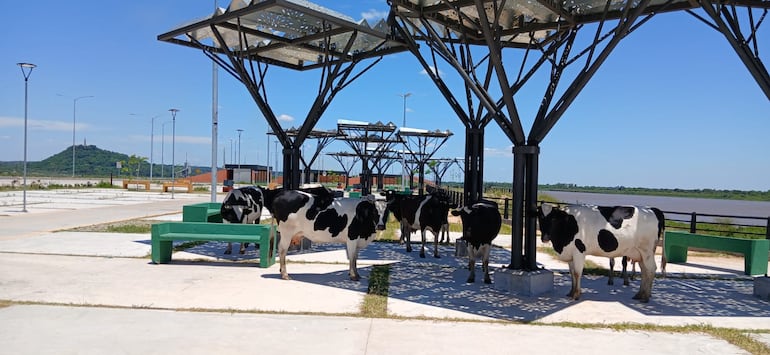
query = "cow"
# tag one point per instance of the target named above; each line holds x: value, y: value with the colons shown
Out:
x: 579, y: 230
x: 481, y: 223
x: 353, y: 221
x: 244, y: 205
x: 418, y: 213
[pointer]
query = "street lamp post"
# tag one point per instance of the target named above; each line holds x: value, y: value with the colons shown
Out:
x: 239, y: 147
x: 173, y: 146
x: 26, y: 70
x: 405, y: 95
x: 162, y: 146
x: 74, y: 111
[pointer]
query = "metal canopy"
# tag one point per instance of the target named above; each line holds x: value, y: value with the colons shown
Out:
x: 323, y: 139
x: 247, y: 37
x: 295, y: 34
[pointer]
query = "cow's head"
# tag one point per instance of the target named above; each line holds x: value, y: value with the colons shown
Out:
x: 555, y: 223
x: 383, y: 212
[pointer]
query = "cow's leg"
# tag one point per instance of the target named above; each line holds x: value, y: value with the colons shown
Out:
x: 471, y: 264
x: 611, y: 280
x: 229, y: 249
x: 283, y: 248
x: 243, y: 248
x: 576, y: 271
x: 406, y: 233
x: 485, y: 262
x: 647, y: 269
x: 624, y: 272
x: 352, y: 250
x: 435, y: 244
x: 422, y: 246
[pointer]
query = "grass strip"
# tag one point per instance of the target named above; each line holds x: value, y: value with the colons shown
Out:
x: 375, y: 303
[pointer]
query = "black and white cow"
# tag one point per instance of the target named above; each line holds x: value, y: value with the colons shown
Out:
x: 481, y: 223
x: 244, y: 205
x: 579, y: 230
x: 419, y: 213
x: 353, y: 221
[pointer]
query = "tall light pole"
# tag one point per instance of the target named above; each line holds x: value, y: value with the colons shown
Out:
x: 276, y: 160
x: 152, y: 140
x: 74, y: 113
x: 239, y: 147
x: 267, y: 160
x: 162, y: 146
x: 26, y: 70
x: 405, y: 95
x: 173, y: 146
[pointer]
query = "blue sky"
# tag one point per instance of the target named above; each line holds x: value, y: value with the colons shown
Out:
x: 672, y: 107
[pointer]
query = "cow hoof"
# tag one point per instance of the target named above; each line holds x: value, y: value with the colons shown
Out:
x: 355, y: 278
x: 470, y: 280
x: 437, y: 256
x: 610, y: 282
x: 625, y: 283
x: 242, y: 252
x: 228, y: 252
x: 422, y: 255
x: 487, y: 280
x: 286, y: 277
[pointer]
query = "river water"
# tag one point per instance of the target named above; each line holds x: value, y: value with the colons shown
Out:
x: 674, y: 204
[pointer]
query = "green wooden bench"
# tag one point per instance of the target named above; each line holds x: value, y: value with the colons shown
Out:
x: 163, y: 234
x: 754, y: 250
x: 202, y: 212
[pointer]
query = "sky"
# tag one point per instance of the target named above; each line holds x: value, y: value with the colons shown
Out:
x: 672, y: 107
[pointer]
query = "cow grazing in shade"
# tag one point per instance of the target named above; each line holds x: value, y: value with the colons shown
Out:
x: 419, y: 213
x: 353, y: 221
x: 579, y: 230
x: 481, y: 223
x: 244, y: 205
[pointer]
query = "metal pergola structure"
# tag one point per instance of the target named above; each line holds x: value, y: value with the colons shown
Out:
x: 248, y: 37
x: 323, y: 139
x: 347, y: 161
x: 370, y: 141
x: 473, y: 37
x: 422, y: 145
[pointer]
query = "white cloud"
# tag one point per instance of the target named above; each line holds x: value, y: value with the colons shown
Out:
x: 434, y: 70
x: 285, y: 118
x: 498, y: 152
x: 373, y: 15
x: 41, y: 125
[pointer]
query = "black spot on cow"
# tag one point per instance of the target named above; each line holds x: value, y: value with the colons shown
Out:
x: 290, y: 201
x: 330, y: 219
x: 615, y: 215
x: 364, y: 223
x: 607, y: 241
x: 580, y: 246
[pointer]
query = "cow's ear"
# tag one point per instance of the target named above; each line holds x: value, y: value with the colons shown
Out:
x: 546, y: 209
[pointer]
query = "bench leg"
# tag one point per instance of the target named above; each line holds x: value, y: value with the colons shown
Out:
x: 676, y: 253
x: 755, y: 262
x: 267, y: 250
x: 161, y: 251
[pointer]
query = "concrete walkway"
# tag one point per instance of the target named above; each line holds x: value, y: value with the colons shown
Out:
x: 79, y: 292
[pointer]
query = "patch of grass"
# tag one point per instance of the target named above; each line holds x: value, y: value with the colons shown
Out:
x: 735, y: 337
x: 130, y: 228
x: 375, y: 302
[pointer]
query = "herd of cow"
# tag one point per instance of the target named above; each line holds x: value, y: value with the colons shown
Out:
x: 575, y: 231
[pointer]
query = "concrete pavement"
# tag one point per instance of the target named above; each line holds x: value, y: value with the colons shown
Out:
x: 98, y: 292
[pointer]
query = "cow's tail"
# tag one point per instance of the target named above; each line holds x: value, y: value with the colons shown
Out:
x: 662, y: 237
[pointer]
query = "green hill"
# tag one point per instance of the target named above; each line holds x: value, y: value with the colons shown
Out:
x: 90, y: 161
